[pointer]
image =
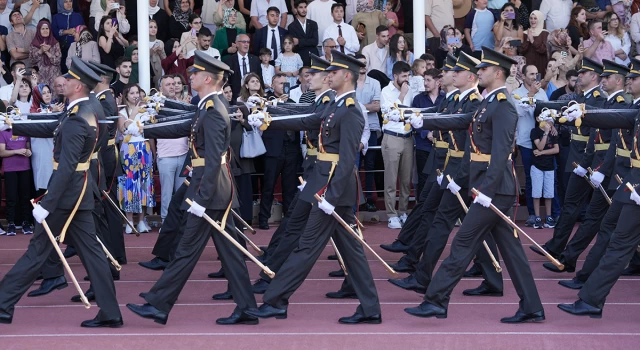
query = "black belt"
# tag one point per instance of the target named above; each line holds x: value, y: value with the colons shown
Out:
x: 404, y: 136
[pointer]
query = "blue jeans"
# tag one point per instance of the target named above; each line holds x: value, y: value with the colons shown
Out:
x: 527, y: 156
x: 170, y: 180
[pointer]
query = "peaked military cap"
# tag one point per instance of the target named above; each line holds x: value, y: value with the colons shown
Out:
x: 80, y: 71
x: 207, y: 63
x: 610, y: 67
x: 318, y: 64
x: 344, y: 61
x: 590, y: 65
x: 493, y: 58
x: 449, y: 62
x: 466, y: 62
x: 100, y: 68
x: 634, y: 68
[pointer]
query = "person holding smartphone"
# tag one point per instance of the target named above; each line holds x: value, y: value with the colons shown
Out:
x: 508, y: 25
x: 157, y: 53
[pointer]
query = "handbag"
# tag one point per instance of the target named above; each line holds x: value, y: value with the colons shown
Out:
x: 252, y: 145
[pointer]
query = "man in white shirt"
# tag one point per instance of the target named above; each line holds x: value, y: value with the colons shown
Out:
x: 259, y: 12
x: 557, y: 13
x: 5, y: 91
x: 204, y: 44
x: 397, y: 147
x: 320, y: 12
x: 5, y: 10
x: 33, y: 11
x: 344, y: 34
x: 377, y: 52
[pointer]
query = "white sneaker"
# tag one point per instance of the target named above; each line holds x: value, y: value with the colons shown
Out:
x: 394, y: 222
x: 128, y: 230
x: 142, y: 227
x: 403, y: 218
x: 146, y: 223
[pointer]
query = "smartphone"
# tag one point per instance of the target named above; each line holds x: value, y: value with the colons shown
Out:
x: 605, y: 26
x: 28, y: 72
x: 515, y: 43
x: 114, y: 22
x: 451, y: 41
x: 185, y: 91
x: 511, y: 15
x: 581, y: 40
x: 285, y: 88
x: 538, y: 77
x: 564, y: 53
x: 193, y: 32
x: 115, y: 6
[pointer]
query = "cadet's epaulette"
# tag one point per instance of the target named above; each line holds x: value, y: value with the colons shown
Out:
x: 620, y: 99
x: 74, y: 110
x: 473, y: 96
x: 102, y: 97
x: 456, y: 97
x: 326, y: 99
x: 350, y: 102
x: 208, y: 105
x: 501, y: 96
x: 596, y: 93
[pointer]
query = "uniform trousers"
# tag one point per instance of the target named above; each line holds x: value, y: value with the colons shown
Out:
x: 172, y: 227
x: 428, y: 212
x: 413, y: 220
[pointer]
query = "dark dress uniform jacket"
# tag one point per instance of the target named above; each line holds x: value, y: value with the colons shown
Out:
x: 322, y: 103
x: 438, y: 156
x: 109, y: 153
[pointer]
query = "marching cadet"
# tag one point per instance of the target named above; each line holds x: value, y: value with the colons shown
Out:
x: 334, y: 179
x: 432, y: 239
x: 67, y: 205
x: 212, y: 193
x: 435, y: 161
x: 624, y: 239
x: 577, y: 190
x: 601, y: 157
x: 492, y: 132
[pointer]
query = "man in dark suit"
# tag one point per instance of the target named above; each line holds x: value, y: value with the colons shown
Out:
x: 304, y: 32
x: 271, y: 35
x: 242, y: 63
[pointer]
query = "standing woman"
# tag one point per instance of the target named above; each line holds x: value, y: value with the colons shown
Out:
x: 160, y: 16
x: 64, y: 28
x: 225, y: 38
x: 111, y: 43
x: 398, y: 51
x: 179, y: 20
x: 219, y: 17
x: 242, y: 168
x: 189, y: 39
x: 135, y: 187
x: 534, y: 47
x: 507, y: 27
x: 45, y: 53
x: 84, y: 46
x: 577, y: 27
x: 157, y: 51
x: 370, y: 18
x: 618, y: 38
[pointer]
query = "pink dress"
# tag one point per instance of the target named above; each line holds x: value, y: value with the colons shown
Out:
x: 393, y: 16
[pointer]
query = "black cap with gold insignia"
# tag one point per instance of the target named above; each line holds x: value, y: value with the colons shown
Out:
x: 100, y: 68
x: 449, y: 62
x: 344, y: 61
x: 590, y: 65
x: 206, y: 63
x: 494, y: 58
x: 634, y: 68
x: 80, y: 71
x: 466, y: 62
x: 318, y: 64
x: 610, y: 67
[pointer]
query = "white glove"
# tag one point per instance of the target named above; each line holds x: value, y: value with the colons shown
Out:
x: 524, y: 103
x: 453, y: 187
x: 196, y: 209
x: 393, y: 115
x: 190, y: 173
x: 580, y: 171
x: 3, y: 124
x: 142, y: 117
x: 572, y: 113
x: 133, y: 129
x: 253, y: 101
x: 255, y: 119
x: 301, y: 187
x: 39, y: 213
x: 416, y: 121
x: 439, y: 179
x: 597, y: 178
x: 326, y: 207
x: 482, y: 200
x: 635, y: 197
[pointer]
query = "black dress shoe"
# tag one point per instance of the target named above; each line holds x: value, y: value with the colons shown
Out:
x: 571, y: 284
x: 143, y: 295
x: 222, y: 296
x: 409, y: 283
x: 155, y: 264
x: 265, y: 311
x: 474, y: 271
x: 427, y: 310
x: 521, y: 317
x: 237, y: 318
x: 553, y: 268
x: 337, y: 273
x: 115, y: 323
x: 631, y: 271
x: 49, y: 285
x: 260, y: 286
x: 5, y: 317
x: 263, y: 226
x: 403, y: 266
x: 395, y: 247
x: 341, y: 295
x: 580, y: 308
x: 149, y: 311
x: 482, y: 291
x: 358, y: 318
x: 70, y: 252
x: 219, y: 274
x: 539, y: 252
x: 115, y: 277
x: 332, y: 257
x: 91, y: 296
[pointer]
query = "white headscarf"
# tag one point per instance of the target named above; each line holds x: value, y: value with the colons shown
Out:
x: 153, y: 10
x: 539, y: 28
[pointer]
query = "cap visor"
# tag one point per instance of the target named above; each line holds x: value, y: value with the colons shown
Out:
x: 633, y: 75
x: 605, y: 74
x: 485, y: 64
x: 330, y: 68
x: 194, y: 69
x: 457, y: 69
x: 68, y: 76
x: 313, y: 70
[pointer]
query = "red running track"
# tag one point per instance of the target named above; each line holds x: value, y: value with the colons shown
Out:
x: 52, y: 321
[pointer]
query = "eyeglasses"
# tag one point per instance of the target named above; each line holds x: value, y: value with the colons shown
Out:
x: 243, y: 41
x: 332, y: 47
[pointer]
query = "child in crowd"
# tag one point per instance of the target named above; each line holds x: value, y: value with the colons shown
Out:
x: 392, y: 18
x: 416, y: 82
x: 289, y: 62
x: 268, y: 70
x: 17, y: 181
x: 542, y: 171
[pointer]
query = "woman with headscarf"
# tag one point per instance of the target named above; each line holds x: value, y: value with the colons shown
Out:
x: 175, y: 63
x: 366, y: 20
x: 42, y: 149
x: 63, y: 26
x: 118, y: 13
x: 558, y: 42
x: 45, y: 53
x: 179, y: 20
x: 534, y: 46
x: 161, y: 17
x: 132, y: 53
x: 449, y: 32
x: 84, y: 46
x: 225, y: 38
x: 222, y: 10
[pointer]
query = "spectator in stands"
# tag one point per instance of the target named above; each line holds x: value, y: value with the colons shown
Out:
x: 289, y: 62
x: 595, y: 8
x: 618, y: 38
x: 392, y: 17
x: 7, y: 90
x: 19, y: 40
x: 301, y: 93
x: 241, y: 168
x: 557, y: 13
x: 398, y: 52
x: 478, y: 26
x: 344, y: 34
x: 224, y: 10
x: 577, y: 28
x: 135, y: 187
x: 449, y: 44
x: 366, y: 20
x: 115, y: 11
x: 242, y: 63
x: 63, y: 28
x: 180, y: 88
x: 397, y: 147
x: 377, y: 53
x: 597, y: 48
x: 534, y: 47
x: 320, y: 12
x: 15, y: 151
x: 429, y: 61
x: 260, y: 11
x: 569, y: 88
x: 42, y: 148
x: 438, y: 14
x: 268, y: 70
x: 251, y: 86
x: 123, y: 67
x: 545, y: 145
x: 157, y: 53
x: 304, y: 32
x: 111, y: 43
x: 45, y: 53
x: 416, y: 82
x: 328, y: 44
x: 33, y: 11
x: 21, y: 94
x: 522, y: 13
x: 559, y: 41
x: 189, y: 38
x: 160, y: 16
x: 180, y: 17
x: 552, y: 80
x: 507, y: 26
x: 513, y: 82
x: 132, y: 53
x: 526, y: 122
x: 228, y: 94
x: 271, y: 35
x: 225, y: 39
x: 5, y: 11
x: 175, y: 63
x: 204, y: 44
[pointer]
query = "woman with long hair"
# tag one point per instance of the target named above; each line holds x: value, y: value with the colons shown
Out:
x: 135, y: 187
x: 118, y: 15
x: 63, y: 26
x: 175, y: 63
x: 84, y: 46
x: 618, y: 38
x: 398, y: 51
x: 45, y: 53
x: 250, y: 86
x: 111, y: 43
x: 41, y: 102
x: 225, y: 38
x: 157, y: 51
x: 507, y: 27
x: 189, y: 39
x: 577, y: 27
x: 179, y: 22
x: 21, y: 94
x: 534, y: 47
